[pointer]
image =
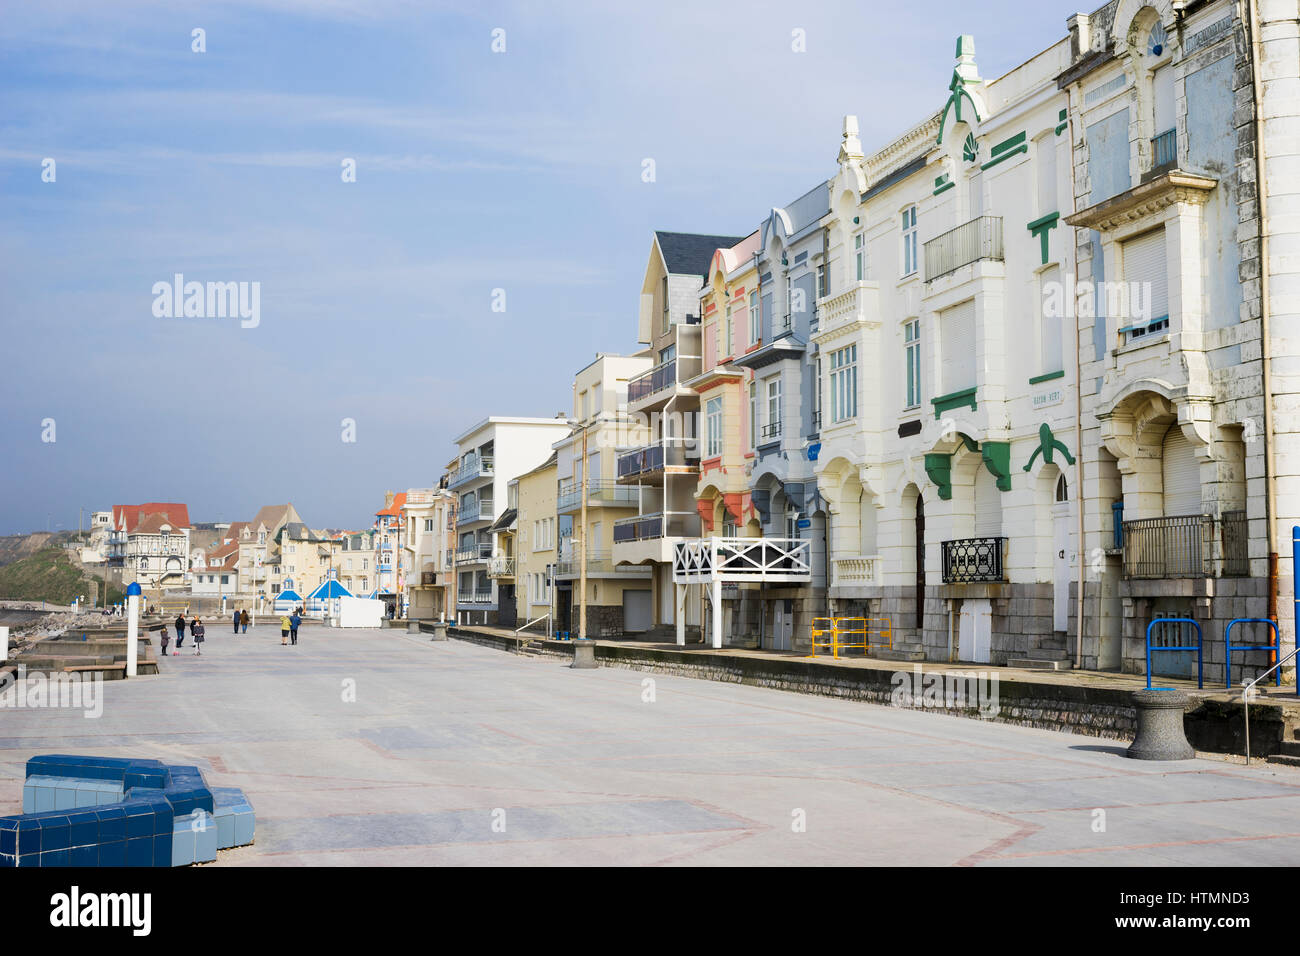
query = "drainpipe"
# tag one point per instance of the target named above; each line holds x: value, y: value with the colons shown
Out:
x: 1261, y: 194
x: 1078, y: 427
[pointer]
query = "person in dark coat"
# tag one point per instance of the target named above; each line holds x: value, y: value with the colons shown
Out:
x: 294, y: 623
x: 180, y: 631
x: 243, y: 620
x: 196, y: 629
x: 235, y: 620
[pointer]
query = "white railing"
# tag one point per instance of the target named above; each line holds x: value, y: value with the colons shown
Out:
x: 857, y: 570
x: 742, y: 559
x: 501, y: 567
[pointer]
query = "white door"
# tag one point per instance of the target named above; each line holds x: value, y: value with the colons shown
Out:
x: 975, y: 631
x: 781, y: 627
x: 1060, y: 568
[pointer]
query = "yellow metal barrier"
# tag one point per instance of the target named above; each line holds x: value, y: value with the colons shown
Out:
x: 858, y: 630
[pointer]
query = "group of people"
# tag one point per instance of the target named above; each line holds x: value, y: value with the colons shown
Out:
x: 196, y: 632
x: 239, y: 620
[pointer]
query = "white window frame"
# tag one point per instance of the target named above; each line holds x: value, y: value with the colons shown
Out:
x: 755, y: 332
x: 912, y: 394
x: 860, y: 255
x: 910, y: 263
x: 713, y: 427
x: 844, y: 383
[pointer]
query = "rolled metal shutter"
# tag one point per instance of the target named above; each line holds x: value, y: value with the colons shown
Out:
x: 1144, y: 262
x: 957, y: 328
x: 1181, y: 474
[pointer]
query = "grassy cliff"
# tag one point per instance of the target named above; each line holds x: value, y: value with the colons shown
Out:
x: 51, y: 575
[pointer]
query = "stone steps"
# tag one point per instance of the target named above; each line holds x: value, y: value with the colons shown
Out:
x: 1040, y: 663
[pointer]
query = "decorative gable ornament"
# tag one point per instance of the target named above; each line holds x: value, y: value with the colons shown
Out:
x: 965, y: 86
x: 970, y: 149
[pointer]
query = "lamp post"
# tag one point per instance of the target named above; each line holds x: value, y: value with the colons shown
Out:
x: 132, y: 627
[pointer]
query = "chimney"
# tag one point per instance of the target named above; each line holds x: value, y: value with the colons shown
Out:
x: 1080, y: 35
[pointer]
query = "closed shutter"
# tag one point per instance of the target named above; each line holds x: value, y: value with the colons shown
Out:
x: 767, y: 317
x: 988, y: 505
x: 957, y: 328
x: 1182, y: 476
x: 1144, y: 263
x: 1163, y: 89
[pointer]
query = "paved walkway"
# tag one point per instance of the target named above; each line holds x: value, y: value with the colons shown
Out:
x: 454, y: 753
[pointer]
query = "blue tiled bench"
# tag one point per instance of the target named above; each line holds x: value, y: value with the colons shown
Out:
x: 105, y: 811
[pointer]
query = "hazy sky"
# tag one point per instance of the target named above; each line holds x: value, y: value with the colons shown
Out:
x: 475, y: 171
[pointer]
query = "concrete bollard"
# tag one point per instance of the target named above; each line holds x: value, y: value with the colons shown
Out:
x: 1160, y: 734
x: 412, y: 627
x: 584, y: 654
x: 439, y: 631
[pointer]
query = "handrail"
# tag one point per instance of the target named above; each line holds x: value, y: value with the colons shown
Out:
x: 545, y: 617
x: 1198, y: 647
x: 1228, y: 648
x: 1247, y: 688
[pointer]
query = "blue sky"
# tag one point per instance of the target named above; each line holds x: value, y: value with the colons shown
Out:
x: 475, y: 171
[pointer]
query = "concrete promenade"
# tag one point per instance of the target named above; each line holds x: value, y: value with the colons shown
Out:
x: 378, y: 747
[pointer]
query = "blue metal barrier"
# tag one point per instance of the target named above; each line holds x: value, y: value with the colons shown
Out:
x: 1200, y: 658
x: 1275, y: 647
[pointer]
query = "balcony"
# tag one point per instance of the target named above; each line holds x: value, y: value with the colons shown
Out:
x: 448, y: 560
x: 480, y: 596
x: 974, y: 560
x: 1186, y: 546
x: 474, y: 553
x: 474, y: 466
x: 481, y: 509
x: 501, y: 567
x: 651, y: 527
x: 737, y: 560
x: 981, y: 238
x: 859, y: 570
x: 770, y: 432
x: 857, y: 305
x: 599, y: 564
x: 601, y: 491
x: 656, y: 380
x: 1164, y: 150
x: 677, y: 453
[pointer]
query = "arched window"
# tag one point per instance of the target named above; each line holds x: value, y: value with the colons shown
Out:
x: 1062, y: 489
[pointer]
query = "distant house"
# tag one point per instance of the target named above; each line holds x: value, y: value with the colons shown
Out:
x: 150, y: 544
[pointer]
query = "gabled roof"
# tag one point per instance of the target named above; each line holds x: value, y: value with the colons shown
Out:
x: 689, y: 253
x: 395, y: 509
x: 507, y: 520
x: 126, y: 517
x: 274, y: 516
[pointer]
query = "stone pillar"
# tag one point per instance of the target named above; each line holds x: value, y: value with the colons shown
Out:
x: 715, y: 596
x: 439, y: 631
x: 584, y: 654
x: 681, y: 614
x: 1160, y: 734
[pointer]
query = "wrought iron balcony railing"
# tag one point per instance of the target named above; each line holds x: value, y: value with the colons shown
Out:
x: 770, y: 430
x: 973, y: 560
x: 473, y: 553
x: 1186, y: 546
x: 981, y: 238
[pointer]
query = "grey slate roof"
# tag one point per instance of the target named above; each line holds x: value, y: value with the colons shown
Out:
x: 688, y: 253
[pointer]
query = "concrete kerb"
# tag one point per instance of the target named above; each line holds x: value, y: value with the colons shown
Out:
x: 1214, y: 722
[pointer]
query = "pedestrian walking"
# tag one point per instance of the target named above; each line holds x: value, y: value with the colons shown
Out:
x: 194, y: 622
x: 197, y: 630
x: 235, y: 621
x: 165, y: 638
x: 180, y: 631
x: 243, y: 619
x: 294, y: 623
x: 284, y: 630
